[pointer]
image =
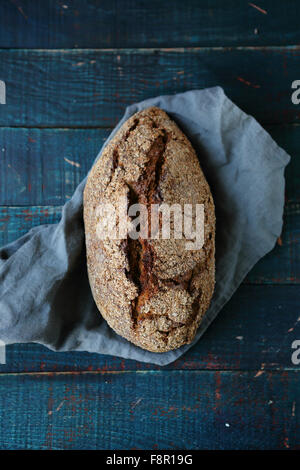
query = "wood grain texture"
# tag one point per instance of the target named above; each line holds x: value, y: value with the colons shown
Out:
x: 126, y: 23
x: 280, y: 266
x: 91, y: 88
x: 44, y: 166
x: 151, y: 410
x: 237, y: 388
x: 254, y: 331
x: 288, y: 137
x: 17, y: 220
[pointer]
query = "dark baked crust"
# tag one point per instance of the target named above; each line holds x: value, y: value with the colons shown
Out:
x: 152, y: 292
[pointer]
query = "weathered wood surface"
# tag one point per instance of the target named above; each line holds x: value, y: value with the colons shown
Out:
x: 237, y: 388
x: 16, y: 221
x: 44, y: 166
x: 280, y: 266
x: 40, y: 168
x: 151, y: 410
x: 91, y: 88
x: 255, y: 331
x: 124, y: 23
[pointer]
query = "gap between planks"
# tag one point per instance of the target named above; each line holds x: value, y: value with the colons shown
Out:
x: 111, y: 128
x: 257, y: 372
x: 151, y: 50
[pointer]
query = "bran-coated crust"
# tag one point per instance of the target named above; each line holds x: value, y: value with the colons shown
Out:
x: 152, y: 292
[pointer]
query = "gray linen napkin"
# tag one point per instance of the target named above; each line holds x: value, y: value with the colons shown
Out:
x: 44, y: 291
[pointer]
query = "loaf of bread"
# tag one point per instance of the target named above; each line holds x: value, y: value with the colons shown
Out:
x: 154, y: 292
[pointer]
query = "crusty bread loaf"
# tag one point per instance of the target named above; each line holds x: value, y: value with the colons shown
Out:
x: 154, y: 292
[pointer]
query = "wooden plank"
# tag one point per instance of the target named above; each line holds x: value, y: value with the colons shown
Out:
x: 281, y: 266
x: 151, y: 410
x: 91, y: 88
x: 16, y: 221
x: 124, y: 23
x: 255, y: 330
x: 44, y: 166
x: 288, y: 137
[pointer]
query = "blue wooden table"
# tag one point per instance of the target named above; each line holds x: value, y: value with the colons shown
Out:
x: 70, y: 69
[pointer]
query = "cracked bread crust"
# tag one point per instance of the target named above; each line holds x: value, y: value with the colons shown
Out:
x: 153, y: 292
